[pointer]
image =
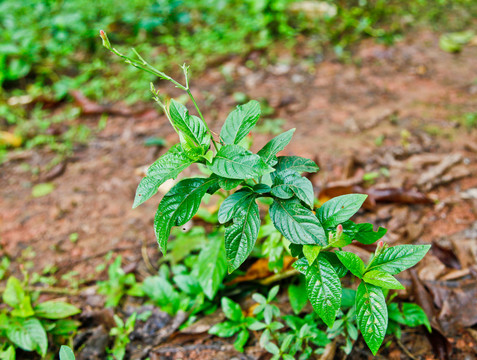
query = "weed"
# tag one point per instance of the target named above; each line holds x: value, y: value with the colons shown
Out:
x: 312, y: 233
x: 236, y: 322
x: 25, y: 326
x: 118, y: 284
x: 121, y: 336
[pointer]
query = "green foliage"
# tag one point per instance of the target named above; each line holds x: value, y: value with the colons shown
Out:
x: 407, y: 314
x: 118, y: 284
x: 278, y: 181
x: 296, y: 342
x: 211, y: 266
x: 121, y: 336
x: 236, y: 323
x: 25, y: 326
x: 66, y: 353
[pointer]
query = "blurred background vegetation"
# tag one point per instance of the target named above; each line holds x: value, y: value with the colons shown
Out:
x: 50, y: 47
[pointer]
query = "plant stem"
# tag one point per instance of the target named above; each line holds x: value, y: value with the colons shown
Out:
x: 202, y: 117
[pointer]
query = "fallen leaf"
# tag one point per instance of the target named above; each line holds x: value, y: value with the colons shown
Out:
x: 10, y: 139
x: 440, y: 344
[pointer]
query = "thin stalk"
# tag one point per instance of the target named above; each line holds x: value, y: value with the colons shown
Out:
x: 202, y: 117
x: 144, y: 65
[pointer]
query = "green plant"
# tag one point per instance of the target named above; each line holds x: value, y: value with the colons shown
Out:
x: 299, y: 338
x: 316, y: 236
x: 118, y: 284
x: 407, y: 314
x: 237, y: 323
x: 121, y: 336
x: 66, y: 353
x: 26, y: 326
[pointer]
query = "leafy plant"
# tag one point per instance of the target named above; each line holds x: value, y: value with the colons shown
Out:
x: 407, y: 314
x: 118, y: 284
x: 121, y: 336
x: 25, y: 326
x: 297, y: 341
x: 237, y: 323
x: 316, y: 236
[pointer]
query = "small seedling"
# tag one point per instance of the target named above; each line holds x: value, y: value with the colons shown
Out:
x: 118, y: 284
x: 25, y: 326
x: 121, y: 336
x: 237, y: 323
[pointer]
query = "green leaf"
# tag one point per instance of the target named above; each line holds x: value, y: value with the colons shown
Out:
x: 382, y: 279
x: 239, y: 122
x: 241, y: 340
x: 162, y: 293
x: 262, y: 188
x: 412, y: 315
x: 348, y: 298
x: 225, y: 329
x: 211, y: 266
x: 240, y: 236
x: 188, y: 284
x: 340, y: 269
x: 55, y: 310
x: 398, y: 258
x: 43, y: 189
x: 324, y: 290
x: 231, y: 309
x: 339, y: 209
x: 296, y: 163
x: 28, y: 334
x: 8, y: 354
x: 66, y: 353
x: 297, y: 223
x: 352, y: 262
x: 311, y: 252
x: 232, y: 203
x: 178, y: 206
x: 365, y: 234
x: 234, y: 162
x: 297, y: 296
x: 371, y: 315
x: 65, y: 327
x: 301, y: 265
x: 168, y: 166
x: 15, y: 296
x: 288, y: 183
x: 274, y: 146
x: 229, y: 184
x: 192, y: 128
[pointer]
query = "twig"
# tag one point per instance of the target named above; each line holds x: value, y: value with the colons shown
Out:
x: 406, y: 351
x: 279, y: 276
x: 50, y: 289
x: 164, y: 333
x: 147, y: 261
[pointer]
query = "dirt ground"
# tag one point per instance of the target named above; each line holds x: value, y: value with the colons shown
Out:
x: 394, y: 113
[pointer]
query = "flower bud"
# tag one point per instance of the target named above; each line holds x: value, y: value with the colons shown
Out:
x: 105, y: 39
x: 339, y: 231
x: 381, y: 246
